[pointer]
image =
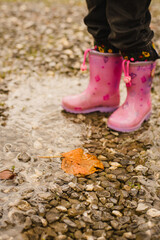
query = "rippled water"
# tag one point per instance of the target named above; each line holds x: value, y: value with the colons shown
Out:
x: 37, y: 125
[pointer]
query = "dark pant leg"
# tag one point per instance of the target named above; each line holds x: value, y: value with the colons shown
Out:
x: 129, y: 21
x: 96, y: 20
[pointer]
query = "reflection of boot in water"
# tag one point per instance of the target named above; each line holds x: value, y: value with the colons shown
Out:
x: 102, y: 93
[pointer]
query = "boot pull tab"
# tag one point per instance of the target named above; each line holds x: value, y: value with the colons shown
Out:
x: 84, y: 66
x: 127, y: 77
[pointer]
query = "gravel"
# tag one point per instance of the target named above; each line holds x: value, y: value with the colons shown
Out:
x: 39, y: 48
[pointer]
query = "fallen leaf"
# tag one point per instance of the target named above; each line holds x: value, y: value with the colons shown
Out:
x: 6, y: 174
x: 77, y: 162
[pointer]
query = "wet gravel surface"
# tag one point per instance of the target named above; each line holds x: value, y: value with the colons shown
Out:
x: 42, y: 47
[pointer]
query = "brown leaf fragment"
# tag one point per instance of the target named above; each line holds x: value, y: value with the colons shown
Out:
x: 6, y: 174
x: 77, y: 162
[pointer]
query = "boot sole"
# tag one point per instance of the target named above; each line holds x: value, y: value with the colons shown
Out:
x: 147, y: 116
x: 97, y: 109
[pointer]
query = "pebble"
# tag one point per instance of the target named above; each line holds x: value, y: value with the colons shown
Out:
x: 89, y: 187
x: 24, y: 205
x: 69, y: 222
x: 44, y: 222
x: 52, y: 215
x: 134, y: 192
x: 142, y: 207
x: 45, y: 196
x: 78, y: 234
x: 153, y: 212
x: 102, y: 158
x: 117, y: 213
x: 111, y: 177
x: 37, y: 145
x: 130, y: 168
x: 127, y: 188
x: 128, y: 235
x: 60, y: 227
x: 24, y: 157
x: 61, y: 237
x: 141, y: 168
x: 123, y: 178
x: 114, y: 165
x: 61, y: 208
x: 115, y: 224
x: 103, y: 200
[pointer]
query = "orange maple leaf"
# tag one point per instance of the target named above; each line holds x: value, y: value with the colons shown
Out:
x: 77, y: 162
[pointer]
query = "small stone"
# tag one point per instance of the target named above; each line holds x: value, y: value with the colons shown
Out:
x: 87, y: 219
x: 94, y: 206
x: 113, y: 200
x: 50, y: 232
x: 78, y: 234
x: 117, y: 213
x: 72, y: 185
x: 89, y: 187
x: 103, y: 200
x: 131, y: 204
x: 106, y: 165
x: 65, y: 203
x: 27, y: 223
x: 36, y: 219
x: 61, y: 237
x: 130, y: 169
x: 106, y: 216
x: 134, y: 192
x: 54, y: 203
x: 53, y: 215
x: 114, y: 165
x: 123, y: 178
x: 123, y: 220
x: 46, y: 196
x: 37, y: 145
x: 111, y: 177
x: 102, y: 158
x: 142, y: 207
x: 61, y: 208
x: 81, y: 116
x: 44, y: 222
x: 99, y: 225
x: 60, y: 227
x: 72, y: 212
x: 69, y: 222
x: 104, y: 193
x: 141, y: 168
x: 109, y: 205
x: 153, y: 212
x: 128, y: 235
x: 24, y: 157
x: 24, y: 205
x: 127, y: 188
x: 115, y: 224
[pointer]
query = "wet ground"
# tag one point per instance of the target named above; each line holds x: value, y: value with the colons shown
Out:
x: 41, y: 49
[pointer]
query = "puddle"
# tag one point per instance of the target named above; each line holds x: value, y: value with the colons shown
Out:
x: 38, y: 126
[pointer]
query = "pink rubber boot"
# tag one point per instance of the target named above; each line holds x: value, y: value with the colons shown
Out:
x: 102, y: 93
x: 137, y: 106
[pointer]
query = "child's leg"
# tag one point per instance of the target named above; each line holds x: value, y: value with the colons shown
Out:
x: 96, y: 20
x: 102, y: 93
x: 130, y: 29
x: 130, y: 32
x: 98, y: 26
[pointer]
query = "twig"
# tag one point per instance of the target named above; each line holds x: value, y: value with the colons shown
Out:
x: 49, y: 156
